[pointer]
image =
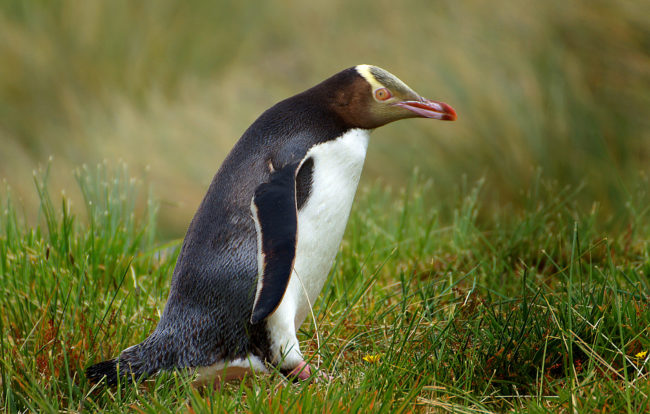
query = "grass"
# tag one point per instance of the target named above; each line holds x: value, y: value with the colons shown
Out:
x: 169, y: 87
x: 430, y: 307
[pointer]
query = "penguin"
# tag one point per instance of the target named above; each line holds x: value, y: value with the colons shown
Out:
x: 264, y: 238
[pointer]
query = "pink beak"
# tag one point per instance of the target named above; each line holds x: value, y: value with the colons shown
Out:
x: 430, y: 109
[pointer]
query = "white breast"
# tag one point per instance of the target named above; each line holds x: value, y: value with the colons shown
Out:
x: 321, y: 223
x: 322, y: 219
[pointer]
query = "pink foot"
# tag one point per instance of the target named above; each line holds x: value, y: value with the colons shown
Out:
x: 303, y: 372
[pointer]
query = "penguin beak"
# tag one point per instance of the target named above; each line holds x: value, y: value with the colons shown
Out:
x: 430, y: 109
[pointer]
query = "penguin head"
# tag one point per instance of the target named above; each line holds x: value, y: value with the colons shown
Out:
x: 368, y: 97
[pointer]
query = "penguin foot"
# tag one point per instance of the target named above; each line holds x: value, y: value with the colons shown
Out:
x: 303, y: 372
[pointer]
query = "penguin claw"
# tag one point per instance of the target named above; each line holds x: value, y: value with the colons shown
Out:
x: 323, y: 376
x: 303, y: 372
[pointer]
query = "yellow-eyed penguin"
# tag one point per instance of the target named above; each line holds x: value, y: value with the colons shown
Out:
x: 262, y: 242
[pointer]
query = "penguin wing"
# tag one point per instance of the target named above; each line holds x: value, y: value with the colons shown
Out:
x: 276, y: 220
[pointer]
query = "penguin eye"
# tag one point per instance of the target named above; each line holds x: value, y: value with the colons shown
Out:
x: 382, y: 94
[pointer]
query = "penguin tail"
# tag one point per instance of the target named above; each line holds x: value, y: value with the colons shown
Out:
x: 105, y: 370
x: 128, y: 367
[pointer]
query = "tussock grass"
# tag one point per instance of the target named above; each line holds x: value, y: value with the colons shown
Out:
x: 172, y: 86
x: 428, y: 308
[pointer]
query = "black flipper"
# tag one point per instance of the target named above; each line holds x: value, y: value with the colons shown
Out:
x: 276, y: 220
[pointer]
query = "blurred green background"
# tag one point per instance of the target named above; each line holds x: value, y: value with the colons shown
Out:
x: 168, y: 86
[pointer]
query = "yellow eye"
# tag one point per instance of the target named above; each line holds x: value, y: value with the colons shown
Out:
x: 382, y: 94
